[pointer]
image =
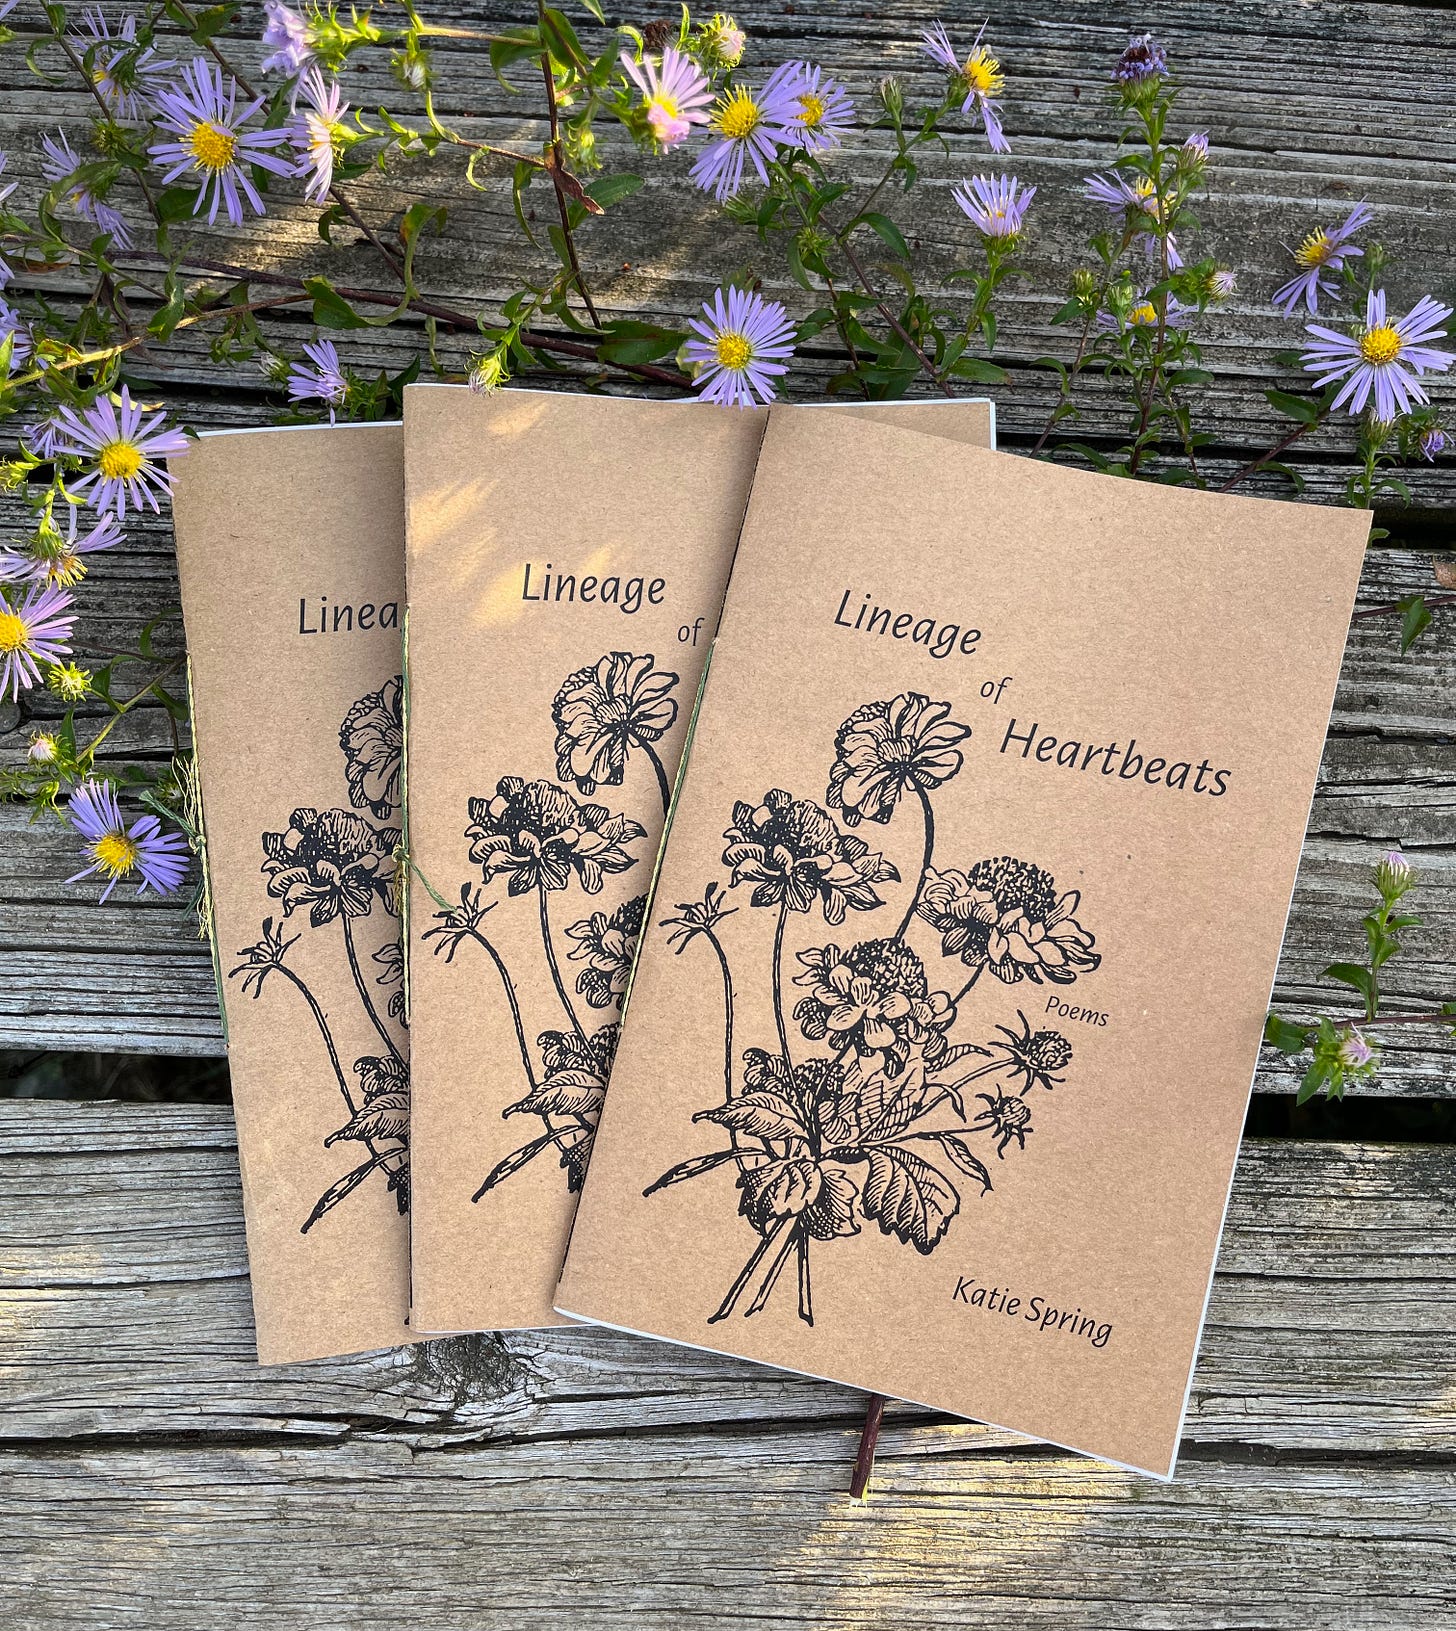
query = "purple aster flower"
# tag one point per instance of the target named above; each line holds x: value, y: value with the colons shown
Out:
x: 201, y: 111
x: 317, y: 133
x: 996, y: 205
x: 58, y: 164
x: 675, y: 94
x: 285, y: 38
x: 6, y: 7
x: 54, y: 557
x: 116, y: 851
x: 825, y: 111
x: 1432, y: 443
x: 127, y: 79
x: 749, y: 124
x: 1131, y: 202
x: 1195, y: 147
x: 979, y: 76
x: 40, y: 438
x: 33, y: 631
x: 1385, y: 360
x: 13, y: 328
x: 745, y: 341
x: 1317, y: 257
x: 1142, y: 60
x: 1143, y: 313
x: 6, y: 188
x: 123, y: 450
x: 1355, y: 1052
x: 324, y: 381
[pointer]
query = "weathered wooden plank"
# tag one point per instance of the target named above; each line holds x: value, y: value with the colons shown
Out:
x: 123, y: 1311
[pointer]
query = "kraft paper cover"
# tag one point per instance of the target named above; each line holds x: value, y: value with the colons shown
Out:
x: 290, y: 545
x: 547, y: 714
x: 942, y: 1032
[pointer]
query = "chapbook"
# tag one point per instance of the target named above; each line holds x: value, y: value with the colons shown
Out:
x: 941, y: 1037
x: 290, y: 545
x: 567, y: 561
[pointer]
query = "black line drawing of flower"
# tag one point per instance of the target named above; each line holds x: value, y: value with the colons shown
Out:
x: 603, y: 711
x: 887, y: 748
x: 607, y: 943
x: 879, y: 1130
x: 332, y: 861
x: 793, y: 854
x: 539, y: 836
x: 1005, y: 916
x: 340, y: 866
x: 372, y: 738
x: 873, y: 998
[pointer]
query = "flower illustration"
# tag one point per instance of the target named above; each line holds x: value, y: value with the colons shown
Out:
x: 875, y: 999
x: 208, y: 144
x: 979, y: 76
x: 884, y: 748
x: 995, y: 205
x: 607, y: 944
x: 1036, y: 1056
x: 744, y: 344
x: 1006, y: 1116
x: 1383, y: 363
x: 384, y: 1083
x: 1005, y: 915
x: 1319, y: 255
x: 675, y: 94
x: 123, y: 449
x: 372, y: 737
x: 458, y: 923
x: 116, y: 851
x: 749, y: 125
x: 603, y: 711
x: 33, y: 631
x: 539, y: 836
x: 262, y: 957
x: 332, y: 861
x: 697, y: 917
x: 391, y: 976
x: 793, y: 854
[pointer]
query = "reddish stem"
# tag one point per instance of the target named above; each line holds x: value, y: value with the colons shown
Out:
x: 864, y: 1461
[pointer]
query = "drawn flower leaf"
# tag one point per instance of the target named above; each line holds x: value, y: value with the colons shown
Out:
x: 514, y: 1162
x: 386, y: 1116
x: 965, y: 1158
x: 760, y: 1114
x: 345, y: 1186
x: 569, y: 1093
x: 908, y: 1196
x: 690, y: 1168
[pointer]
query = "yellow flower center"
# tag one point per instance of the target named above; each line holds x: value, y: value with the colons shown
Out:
x: 115, y: 854
x: 120, y: 460
x: 738, y: 115
x: 982, y: 74
x: 664, y: 105
x: 1315, y: 250
x: 811, y: 110
x: 1380, y: 345
x: 734, y: 352
x: 211, y: 148
x: 65, y: 571
x: 14, y: 633
x: 1143, y: 316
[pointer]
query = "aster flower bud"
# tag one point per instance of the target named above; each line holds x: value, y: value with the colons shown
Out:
x: 890, y: 94
x: 43, y: 748
x: 1394, y: 875
x: 70, y: 682
x: 1084, y: 284
x: 411, y: 67
x: 488, y: 373
x: 1432, y: 442
x: 1194, y: 150
x: 1143, y: 60
x: 720, y: 42
x: 1356, y: 1055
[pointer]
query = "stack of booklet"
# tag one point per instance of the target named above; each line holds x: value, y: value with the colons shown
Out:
x: 938, y: 811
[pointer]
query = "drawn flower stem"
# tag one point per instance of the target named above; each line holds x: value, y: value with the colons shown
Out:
x: 778, y: 980
x: 806, y: 1301
x: 750, y: 1268
x: 776, y: 1268
x: 906, y: 921
x: 663, y: 785
x: 965, y: 1081
x: 969, y: 983
x: 727, y: 1014
x: 515, y: 1005
x: 363, y: 990
x: 556, y: 979
x: 324, y: 1032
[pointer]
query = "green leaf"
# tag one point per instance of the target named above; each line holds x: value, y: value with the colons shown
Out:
x: 330, y: 309
x: 559, y: 38
x: 509, y: 48
x: 609, y: 191
x: 1352, y: 974
x: 635, y: 343
x: 888, y: 232
x: 175, y: 204
x: 1287, y: 1037
x: 1314, y: 1079
x: 1415, y: 620
x: 1293, y: 407
x: 981, y: 372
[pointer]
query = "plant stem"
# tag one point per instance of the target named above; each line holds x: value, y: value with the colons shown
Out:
x: 556, y: 979
x: 890, y: 317
x: 778, y: 1001
x: 717, y: 946
x: 1255, y: 465
x: 1390, y: 607
x: 924, y: 864
x: 776, y: 1268
x: 514, y: 1002
x: 735, y: 1291
x: 558, y: 167
x: 662, y: 783
x: 864, y: 1461
x: 126, y: 707
x: 967, y: 986
x: 806, y: 1299
x: 323, y: 1026
x: 363, y: 990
